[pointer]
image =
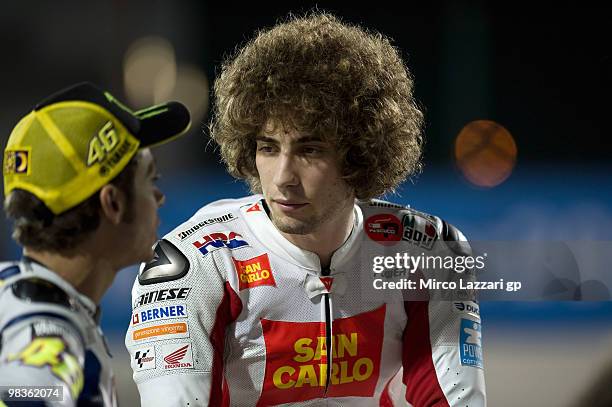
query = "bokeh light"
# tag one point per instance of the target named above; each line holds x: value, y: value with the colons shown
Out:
x: 152, y: 75
x: 191, y: 89
x: 485, y: 152
x: 149, y: 71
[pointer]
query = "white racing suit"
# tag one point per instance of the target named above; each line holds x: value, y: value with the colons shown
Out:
x: 49, y: 336
x: 230, y: 313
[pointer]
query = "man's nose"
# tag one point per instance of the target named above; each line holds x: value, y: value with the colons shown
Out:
x: 286, y: 173
x: 160, y: 197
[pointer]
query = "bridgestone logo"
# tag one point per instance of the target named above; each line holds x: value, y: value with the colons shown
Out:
x: 185, y: 234
x: 383, y: 204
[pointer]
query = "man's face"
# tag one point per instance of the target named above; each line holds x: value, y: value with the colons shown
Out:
x: 300, y: 179
x: 146, y: 199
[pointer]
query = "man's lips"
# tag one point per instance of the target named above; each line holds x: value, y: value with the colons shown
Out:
x: 288, y: 206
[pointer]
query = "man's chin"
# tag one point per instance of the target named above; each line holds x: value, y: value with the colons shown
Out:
x: 292, y: 226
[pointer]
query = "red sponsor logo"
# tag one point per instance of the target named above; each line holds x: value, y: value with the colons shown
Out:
x: 384, y: 228
x: 419, y: 231
x: 135, y: 318
x: 297, y: 358
x: 327, y: 282
x: 177, y: 355
x: 179, y: 358
x: 254, y: 208
x: 254, y: 272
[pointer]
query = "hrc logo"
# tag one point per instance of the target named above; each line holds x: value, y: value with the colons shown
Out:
x: 218, y: 240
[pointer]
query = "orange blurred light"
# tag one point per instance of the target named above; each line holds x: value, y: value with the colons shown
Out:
x: 485, y: 152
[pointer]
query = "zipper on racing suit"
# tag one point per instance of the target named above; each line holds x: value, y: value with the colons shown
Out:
x: 328, y: 334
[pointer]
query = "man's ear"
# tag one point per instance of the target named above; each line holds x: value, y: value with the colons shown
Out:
x: 113, y: 203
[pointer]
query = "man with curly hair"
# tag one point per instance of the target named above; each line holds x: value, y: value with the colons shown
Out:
x: 319, y: 117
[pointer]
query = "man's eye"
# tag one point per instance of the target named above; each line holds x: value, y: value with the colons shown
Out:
x: 265, y: 149
x: 312, y: 150
x: 156, y: 177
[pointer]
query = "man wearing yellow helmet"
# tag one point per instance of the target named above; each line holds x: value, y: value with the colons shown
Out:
x: 79, y: 183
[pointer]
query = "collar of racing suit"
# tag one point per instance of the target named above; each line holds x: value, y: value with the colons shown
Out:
x: 315, y: 282
x: 83, y: 301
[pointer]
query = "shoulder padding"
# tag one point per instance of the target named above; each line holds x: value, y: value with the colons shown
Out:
x: 379, y: 203
x: 35, y: 289
x: 451, y: 233
x: 169, y: 264
x: 455, y: 240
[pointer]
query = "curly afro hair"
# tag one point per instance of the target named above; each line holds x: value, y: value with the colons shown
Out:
x: 326, y: 78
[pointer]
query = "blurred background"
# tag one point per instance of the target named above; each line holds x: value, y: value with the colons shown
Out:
x: 518, y: 141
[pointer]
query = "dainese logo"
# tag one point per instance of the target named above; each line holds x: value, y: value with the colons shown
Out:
x: 254, y: 208
x: 254, y: 272
x: 213, y: 241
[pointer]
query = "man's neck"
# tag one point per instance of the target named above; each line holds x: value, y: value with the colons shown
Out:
x: 89, y: 274
x: 327, y: 238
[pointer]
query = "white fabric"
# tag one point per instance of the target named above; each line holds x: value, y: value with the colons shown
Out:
x: 272, y: 352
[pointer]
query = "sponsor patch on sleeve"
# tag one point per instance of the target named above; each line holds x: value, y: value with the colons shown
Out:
x: 177, y: 356
x: 166, y: 331
x: 254, y: 272
x: 384, y: 228
x: 467, y: 308
x: 144, y: 359
x: 160, y: 313
x: 165, y: 294
x: 419, y: 231
x: 470, y: 343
